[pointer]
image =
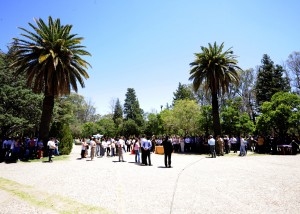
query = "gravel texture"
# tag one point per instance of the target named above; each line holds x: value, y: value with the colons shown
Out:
x: 194, y: 184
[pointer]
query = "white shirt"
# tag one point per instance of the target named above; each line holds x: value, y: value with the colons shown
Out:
x: 121, y: 142
x: 146, y: 144
x: 51, y: 144
x: 211, y: 142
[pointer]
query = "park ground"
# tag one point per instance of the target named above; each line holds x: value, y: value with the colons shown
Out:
x: 194, y: 184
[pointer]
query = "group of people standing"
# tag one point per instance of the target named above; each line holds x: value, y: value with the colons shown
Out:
x: 24, y: 149
x: 140, y: 147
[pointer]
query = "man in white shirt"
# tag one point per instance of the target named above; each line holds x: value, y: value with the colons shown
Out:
x: 51, y: 147
x: 121, y: 143
x: 212, y: 143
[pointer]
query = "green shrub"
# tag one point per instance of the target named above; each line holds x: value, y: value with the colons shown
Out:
x: 63, y: 133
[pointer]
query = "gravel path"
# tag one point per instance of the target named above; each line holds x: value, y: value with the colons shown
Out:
x: 195, y: 184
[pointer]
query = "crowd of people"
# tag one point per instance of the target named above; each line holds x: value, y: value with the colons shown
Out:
x: 24, y: 149
x: 219, y: 146
x: 13, y: 149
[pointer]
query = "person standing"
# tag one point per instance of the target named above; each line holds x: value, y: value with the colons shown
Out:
x: 226, y: 142
x: 98, y: 146
x: 136, y: 148
x: 113, y: 147
x: 212, y: 143
x: 93, y: 148
x: 121, y: 143
x: 146, y: 145
x: 83, y: 148
x: 220, y: 142
x: 168, y: 149
x: 181, y: 142
x: 242, y: 147
x: 233, y: 143
x: 51, y: 147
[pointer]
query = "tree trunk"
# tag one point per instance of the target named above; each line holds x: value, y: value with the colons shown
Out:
x: 48, y: 105
x: 215, y: 114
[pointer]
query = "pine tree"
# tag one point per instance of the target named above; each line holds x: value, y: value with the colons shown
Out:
x: 270, y: 80
x: 118, y: 111
x: 183, y: 92
x: 132, y: 108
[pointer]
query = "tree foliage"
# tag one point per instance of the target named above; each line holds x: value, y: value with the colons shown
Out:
x: 183, y: 92
x: 19, y: 106
x: 50, y: 57
x: 270, y: 80
x: 118, y: 113
x: 216, y: 70
x: 281, y: 115
x: 132, y: 108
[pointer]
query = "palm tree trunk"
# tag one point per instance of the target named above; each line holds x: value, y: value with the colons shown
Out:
x: 48, y: 105
x: 215, y: 114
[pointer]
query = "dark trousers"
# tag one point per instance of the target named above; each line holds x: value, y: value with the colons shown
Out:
x: 50, y: 154
x: 212, y: 151
x: 168, y: 159
x: 234, y: 147
x: 82, y: 153
x: 143, y: 156
x: 147, y: 154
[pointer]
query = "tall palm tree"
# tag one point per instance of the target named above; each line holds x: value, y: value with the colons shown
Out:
x: 50, y: 58
x: 215, y: 70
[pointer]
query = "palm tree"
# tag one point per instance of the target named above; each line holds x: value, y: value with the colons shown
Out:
x: 215, y: 70
x: 50, y: 58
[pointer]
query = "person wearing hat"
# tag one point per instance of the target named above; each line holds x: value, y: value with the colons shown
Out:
x: 168, y: 149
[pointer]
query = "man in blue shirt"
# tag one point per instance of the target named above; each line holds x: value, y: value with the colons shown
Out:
x: 146, y: 146
x: 212, y: 143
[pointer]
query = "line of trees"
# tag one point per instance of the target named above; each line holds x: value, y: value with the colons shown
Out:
x: 39, y: 72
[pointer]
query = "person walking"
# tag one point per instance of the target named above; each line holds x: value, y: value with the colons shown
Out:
x: 212, y: 143
x: 51, y: 147
x: 168, y: 149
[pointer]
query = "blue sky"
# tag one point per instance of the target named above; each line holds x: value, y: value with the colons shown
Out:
x: 148, y: 44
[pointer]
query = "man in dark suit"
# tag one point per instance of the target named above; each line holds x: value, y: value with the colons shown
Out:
x: 168, y: 149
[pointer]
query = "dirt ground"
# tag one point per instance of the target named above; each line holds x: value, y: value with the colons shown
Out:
x: 194, y: 184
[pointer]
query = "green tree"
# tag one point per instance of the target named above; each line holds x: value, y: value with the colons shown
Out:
x: 205, y: 120
x: 118, y: 113
x: 168, y: 121
x: 154, y: 125
x: 89, y: 129
x: 186, y: 115
x: 130, y: 128
x: 280, y: 115
x: 107, y: 126
x: 270, y: 80
x: 132, y: 108
x: 19, y: 106
x: 50, y: 56
x: 216, y: 70
x: 183, y: 92
x: 235, y: 121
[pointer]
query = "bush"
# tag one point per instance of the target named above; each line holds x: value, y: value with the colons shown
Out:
x: 63, y: 133
x: 66, y: 142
